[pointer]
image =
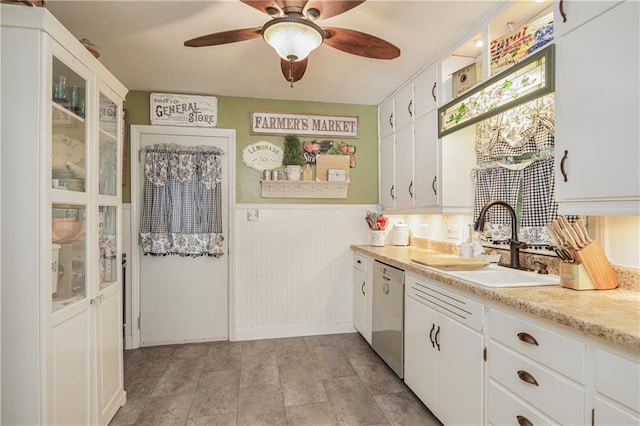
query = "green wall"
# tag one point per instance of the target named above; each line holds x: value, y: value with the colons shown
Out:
x: 234, y: 113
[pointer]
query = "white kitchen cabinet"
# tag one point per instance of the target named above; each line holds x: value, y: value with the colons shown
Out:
x: 404, y: 160
x: 387, y: 171
x: 597, y: 108
x: 457, y: 160
x: 542, y: 369
x: 570, y: 14
x: 444, y: 363
x: 362, y: 296
x: 61, y: 208
x: 425, y: 91
x: 425, y: 160
x: 617, y: 386
x: 386, y: 117
x: 404, y: 107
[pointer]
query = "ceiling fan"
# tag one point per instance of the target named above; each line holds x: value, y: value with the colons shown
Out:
x: 293, y: 33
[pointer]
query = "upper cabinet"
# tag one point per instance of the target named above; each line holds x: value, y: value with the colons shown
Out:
x: 597, y: 108
x: 570, y: 14
x: 386, y: 118
x: 61, y: 207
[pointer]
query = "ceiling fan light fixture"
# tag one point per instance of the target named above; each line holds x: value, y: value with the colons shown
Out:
x: 292, y: 38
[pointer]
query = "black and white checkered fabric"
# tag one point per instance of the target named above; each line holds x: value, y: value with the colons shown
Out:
x: 181, y: 211
x: 539, y: 206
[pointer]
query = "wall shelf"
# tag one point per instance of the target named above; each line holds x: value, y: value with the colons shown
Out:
x: 303, y: 189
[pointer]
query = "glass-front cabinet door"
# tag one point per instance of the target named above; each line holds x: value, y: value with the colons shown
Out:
x: 68, y: 254
x: 70, y: 200
x: 108, y: 246
x: 108, y: 149
x: 68, y: 128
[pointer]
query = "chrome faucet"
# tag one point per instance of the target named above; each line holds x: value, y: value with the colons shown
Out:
x: 514, y: 244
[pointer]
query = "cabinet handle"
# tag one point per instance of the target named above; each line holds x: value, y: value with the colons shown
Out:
x: 527, y: 338
x: 523, y: 421
x: 391, y: 120
x: 562, y: 12
x: 393, y: 197
x: 564, y: 159
x: 433, y: 327
x: 433, y: 185
x: 411, y: 189
x: 527, y: 377
x: 362, y: 288
x: 436, y: 339
x: 410, y: 108
x: 433, y: 91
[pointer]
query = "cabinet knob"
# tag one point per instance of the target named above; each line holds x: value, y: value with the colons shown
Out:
x: 523, y: 421
x: 564, y: 159
x: 527, y: 338
x: 527, y: 377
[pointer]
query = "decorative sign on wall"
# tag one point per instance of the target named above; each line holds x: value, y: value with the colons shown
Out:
x: 184, y: 110
x: 262, y: 156
x: 278, y: 123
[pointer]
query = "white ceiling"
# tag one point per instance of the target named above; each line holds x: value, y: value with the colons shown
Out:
x: 142, y: 45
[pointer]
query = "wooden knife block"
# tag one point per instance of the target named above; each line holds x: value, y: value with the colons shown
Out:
x: 575, y: 276
x: 597, y: 266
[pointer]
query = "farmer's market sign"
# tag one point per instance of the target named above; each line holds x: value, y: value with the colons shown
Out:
x: 184, y: 110
x: 278, y: 123
x: 262, y: 156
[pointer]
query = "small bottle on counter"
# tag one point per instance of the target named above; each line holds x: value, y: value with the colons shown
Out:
x: 307, y: 173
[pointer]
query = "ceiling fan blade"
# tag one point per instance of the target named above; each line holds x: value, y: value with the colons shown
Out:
x: 298, y: 70
x: 224, y: 37
x: 360, y: 44
x: 330, y: 8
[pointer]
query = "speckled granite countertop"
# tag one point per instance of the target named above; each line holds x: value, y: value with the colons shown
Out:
x: 611, y: 315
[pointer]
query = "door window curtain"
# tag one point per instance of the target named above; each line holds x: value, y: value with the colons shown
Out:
x: 182, y: 201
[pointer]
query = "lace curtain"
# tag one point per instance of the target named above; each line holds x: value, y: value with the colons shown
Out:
x: 515, y: 159
x: 182, y: 201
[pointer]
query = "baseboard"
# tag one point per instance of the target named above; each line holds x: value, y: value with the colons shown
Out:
x: 295, y: 331
x: 128, y: 343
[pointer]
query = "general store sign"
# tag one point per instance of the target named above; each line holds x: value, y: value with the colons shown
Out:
x: 184, y: 110
x: 278, y: 123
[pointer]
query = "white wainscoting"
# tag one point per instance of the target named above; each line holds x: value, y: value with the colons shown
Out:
x: 293, y: 269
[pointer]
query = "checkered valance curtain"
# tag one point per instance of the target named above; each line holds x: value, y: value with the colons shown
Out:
x: 515, y: 157
x: 182, y: 201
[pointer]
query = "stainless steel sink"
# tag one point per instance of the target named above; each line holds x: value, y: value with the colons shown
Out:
x: 500, y: 276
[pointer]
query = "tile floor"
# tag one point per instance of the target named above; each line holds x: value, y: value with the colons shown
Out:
x: 316, y: 380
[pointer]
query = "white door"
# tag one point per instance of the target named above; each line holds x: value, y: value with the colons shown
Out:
x: 181, y: 299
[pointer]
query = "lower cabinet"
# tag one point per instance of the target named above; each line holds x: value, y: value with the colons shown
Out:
x: 538, y: 373
x: 362, y: 301
x: 617, y: 386
x: 444, y: 363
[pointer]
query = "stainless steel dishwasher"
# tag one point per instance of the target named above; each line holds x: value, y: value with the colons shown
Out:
x: 388, y: 315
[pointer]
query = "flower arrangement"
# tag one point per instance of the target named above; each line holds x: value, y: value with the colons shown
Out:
x: 376, y: 221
